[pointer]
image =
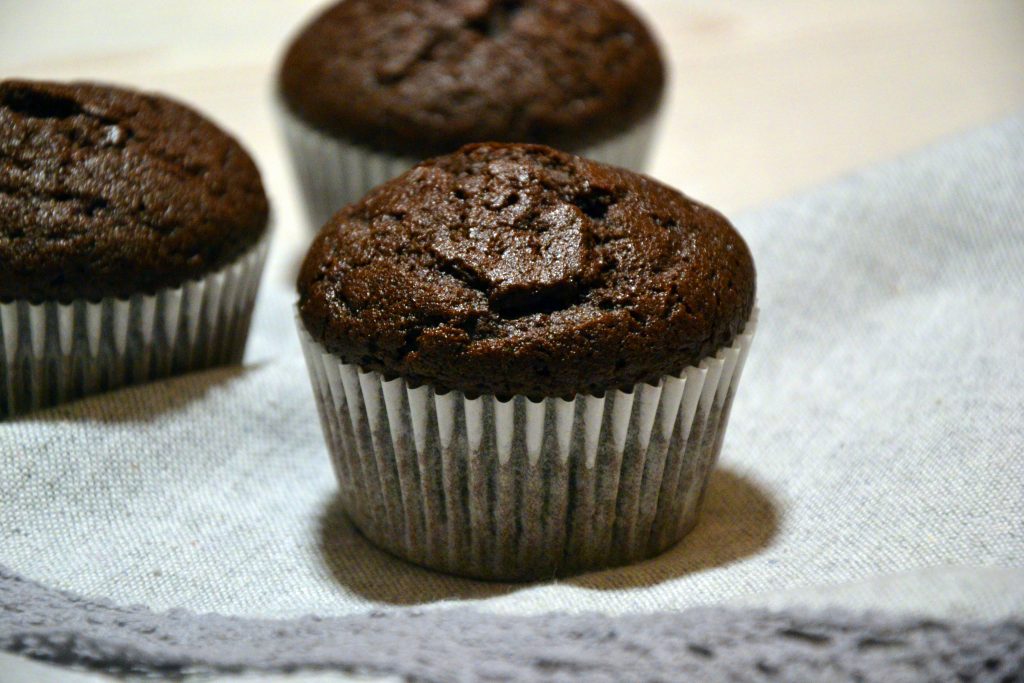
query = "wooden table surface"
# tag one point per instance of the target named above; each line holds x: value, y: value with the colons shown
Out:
x: 767, y: 96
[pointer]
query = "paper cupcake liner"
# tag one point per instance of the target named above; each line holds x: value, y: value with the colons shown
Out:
x: 520, y: 489
x: 54, y: 352
x: 333, y: 172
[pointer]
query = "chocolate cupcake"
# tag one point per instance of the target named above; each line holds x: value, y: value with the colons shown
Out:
x: 524, y: 360
x: 132, y: 237
x: 369, y: 87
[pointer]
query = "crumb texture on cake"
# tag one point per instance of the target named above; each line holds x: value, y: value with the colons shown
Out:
x: 521, y: 270
x: 110, y: 192
x: 422, y: 77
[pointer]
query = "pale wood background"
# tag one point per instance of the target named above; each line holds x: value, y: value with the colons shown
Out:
x: 768, y: 96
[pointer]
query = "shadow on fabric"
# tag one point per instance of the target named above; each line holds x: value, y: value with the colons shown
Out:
x: 141, y: 402
x: 738, y: 520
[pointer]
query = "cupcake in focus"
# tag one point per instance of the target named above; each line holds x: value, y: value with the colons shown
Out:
x: 524, y: 360
x: 369, y: 88
x: 132, y: 237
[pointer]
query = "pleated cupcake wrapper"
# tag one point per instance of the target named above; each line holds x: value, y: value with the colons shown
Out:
x: 333, y: 172
x: 520, y: 489
x: 54, y: 352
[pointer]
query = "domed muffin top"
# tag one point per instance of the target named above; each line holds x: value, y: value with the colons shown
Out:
x: 518, y: 269
x: 109, y: 192
x: 422, y: 77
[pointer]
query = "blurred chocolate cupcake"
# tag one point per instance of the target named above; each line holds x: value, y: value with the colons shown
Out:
x: 369, y: 87
x: 524, y: 360
x: 132, y: 237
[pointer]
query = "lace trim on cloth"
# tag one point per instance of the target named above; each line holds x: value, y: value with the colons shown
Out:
x: 459, y: 644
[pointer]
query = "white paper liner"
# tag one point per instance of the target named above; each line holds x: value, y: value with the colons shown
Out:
x: 53, y: 352
x: 333, y: 172
x: 516, y: 490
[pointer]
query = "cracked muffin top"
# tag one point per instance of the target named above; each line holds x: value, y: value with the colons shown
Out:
x: 422, y: 77
x: 520, y: 270
x: 109, y: 192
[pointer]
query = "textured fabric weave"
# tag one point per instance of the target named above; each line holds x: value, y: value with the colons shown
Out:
x: 458, y: 645
x: 879, y: 430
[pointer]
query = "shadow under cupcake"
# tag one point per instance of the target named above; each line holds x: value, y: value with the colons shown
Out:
x: 524, y: 360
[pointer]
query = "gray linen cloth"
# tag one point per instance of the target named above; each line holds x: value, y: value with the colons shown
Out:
x: 878, y: 431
